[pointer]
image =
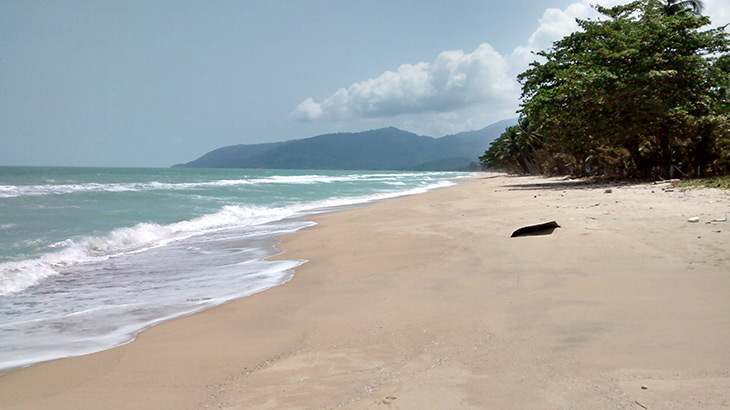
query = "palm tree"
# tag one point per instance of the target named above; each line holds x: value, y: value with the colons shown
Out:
x: 692, y: 6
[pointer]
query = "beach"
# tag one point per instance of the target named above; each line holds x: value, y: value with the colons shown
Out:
x: 425, y: 302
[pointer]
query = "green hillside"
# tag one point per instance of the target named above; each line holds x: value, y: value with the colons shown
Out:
x: 381, y: 149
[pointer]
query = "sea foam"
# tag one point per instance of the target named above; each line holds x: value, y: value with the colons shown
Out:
x: 87, y: 265
x: 12, y: 191
x: 16, y: 276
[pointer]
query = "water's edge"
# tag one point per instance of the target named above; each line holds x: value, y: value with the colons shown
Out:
x: 274, y: 255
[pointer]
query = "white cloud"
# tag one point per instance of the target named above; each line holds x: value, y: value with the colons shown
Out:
x: 456, y: 89
x: 309, y: 110
x: 453, y: 81
x: 553, y: 25
x: 718, y: 11
x: 556, y: 24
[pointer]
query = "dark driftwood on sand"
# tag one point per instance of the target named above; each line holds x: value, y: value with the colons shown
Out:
x: 540, y: 229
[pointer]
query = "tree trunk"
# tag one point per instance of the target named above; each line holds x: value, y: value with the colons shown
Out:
x: 665, y: 151
x: 703, y: 150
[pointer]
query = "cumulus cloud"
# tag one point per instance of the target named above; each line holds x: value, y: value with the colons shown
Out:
x: 718, y: 11
x: 458, y: 85
x: 453, y: 81
x: 556, y: 23
x: 553, y: 25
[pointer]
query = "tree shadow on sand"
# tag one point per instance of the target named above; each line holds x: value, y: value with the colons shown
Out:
x: 568, y: 184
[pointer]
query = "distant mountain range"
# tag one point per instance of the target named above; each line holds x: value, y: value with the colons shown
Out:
x: 381, y: 149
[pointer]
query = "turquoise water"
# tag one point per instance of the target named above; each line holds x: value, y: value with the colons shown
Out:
x: 91, y: 256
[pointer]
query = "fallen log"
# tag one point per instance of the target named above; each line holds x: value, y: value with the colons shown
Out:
x: 541, y: 229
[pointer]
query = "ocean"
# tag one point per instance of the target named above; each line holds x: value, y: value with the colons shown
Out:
x: 89, y: 257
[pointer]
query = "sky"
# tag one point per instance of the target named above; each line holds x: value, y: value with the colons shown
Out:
x: 151, y: 84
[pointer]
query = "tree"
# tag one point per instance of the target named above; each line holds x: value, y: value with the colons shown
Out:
x: 514, y: 150
x: 632, y: 94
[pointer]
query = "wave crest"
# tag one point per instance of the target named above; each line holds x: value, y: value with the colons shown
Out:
x: 16, y: 276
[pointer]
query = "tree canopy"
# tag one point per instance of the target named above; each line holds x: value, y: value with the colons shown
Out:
x: 637, y: 93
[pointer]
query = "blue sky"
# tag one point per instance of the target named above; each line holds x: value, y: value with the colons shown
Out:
x: 132, y: 83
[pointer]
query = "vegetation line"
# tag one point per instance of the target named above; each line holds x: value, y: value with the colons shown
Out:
x: 716, y: 182
x: 640, y: 93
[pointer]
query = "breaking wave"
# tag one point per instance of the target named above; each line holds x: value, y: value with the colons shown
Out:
x: 15, y: 276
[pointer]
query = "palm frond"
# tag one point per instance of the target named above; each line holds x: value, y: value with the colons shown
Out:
x: 676, y: 6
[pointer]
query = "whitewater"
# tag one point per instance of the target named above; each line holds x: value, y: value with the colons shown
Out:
x: 89, y: 257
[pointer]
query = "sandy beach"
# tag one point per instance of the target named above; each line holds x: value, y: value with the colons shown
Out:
x: 425, y: 302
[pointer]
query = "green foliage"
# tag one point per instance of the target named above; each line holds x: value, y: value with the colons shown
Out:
x: 629, y: 95
x: 515, y: 150
x: 716, y: 182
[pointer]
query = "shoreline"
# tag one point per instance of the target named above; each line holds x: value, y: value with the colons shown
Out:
x: 425, y: 302
x: 81, y: 338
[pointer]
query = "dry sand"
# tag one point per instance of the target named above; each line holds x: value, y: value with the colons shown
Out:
x: 425, y: 302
